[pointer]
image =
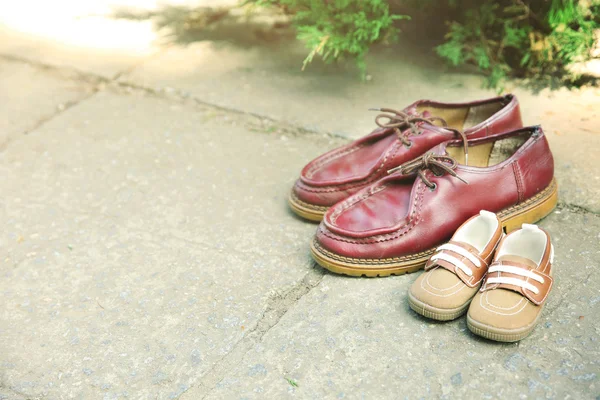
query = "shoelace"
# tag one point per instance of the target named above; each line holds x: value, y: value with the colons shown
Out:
x: 438, y: 164
x: 399, y: 120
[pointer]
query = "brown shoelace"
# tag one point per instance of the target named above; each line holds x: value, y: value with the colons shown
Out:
x: 429, y: 161
x: 399, y: 120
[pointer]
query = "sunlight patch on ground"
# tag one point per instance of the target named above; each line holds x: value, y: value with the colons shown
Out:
x: 79, y: 23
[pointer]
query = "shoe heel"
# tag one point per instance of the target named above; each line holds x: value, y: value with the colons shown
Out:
x: 532, y: 210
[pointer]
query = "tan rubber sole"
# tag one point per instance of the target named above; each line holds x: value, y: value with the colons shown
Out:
x: 498, y: 334
x: 305, y: 210
x: 438, y: 314
x: 530, y: 211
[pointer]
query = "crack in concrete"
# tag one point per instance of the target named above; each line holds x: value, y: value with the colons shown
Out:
x: 66, y: 72
x: 66, y: 106
x: 78, y: 74
x: 168, y: 94
x: 95, y: 82
x: 277, y: 306
x: 576, y: 209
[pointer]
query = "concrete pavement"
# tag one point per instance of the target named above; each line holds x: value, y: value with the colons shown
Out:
x: 147, y: 250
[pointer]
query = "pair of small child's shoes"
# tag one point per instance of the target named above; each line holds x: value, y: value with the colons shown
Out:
x: 503, y: 281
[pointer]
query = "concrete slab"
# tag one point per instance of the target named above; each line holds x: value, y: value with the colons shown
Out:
x: 29, y: 95
x: 142, y: 239
x: 357, y: 338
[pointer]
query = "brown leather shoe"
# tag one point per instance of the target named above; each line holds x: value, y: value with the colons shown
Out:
x: 401, y: 136
x: 455, y: 272
x: 510, y: 301
x: 394, y: 225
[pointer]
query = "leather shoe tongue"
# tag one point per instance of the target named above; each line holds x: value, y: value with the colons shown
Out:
x: 427, y: 114
x: 518, y: 259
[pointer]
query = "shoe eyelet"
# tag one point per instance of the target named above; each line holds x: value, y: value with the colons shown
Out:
x: 432, y: 188
x: 409, y: 145
x: 437, y: 174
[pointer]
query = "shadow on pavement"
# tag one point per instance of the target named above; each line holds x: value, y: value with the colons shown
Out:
x: 184, y: 25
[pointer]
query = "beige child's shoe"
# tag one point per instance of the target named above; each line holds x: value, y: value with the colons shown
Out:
x: 510, y: 301
x: 454, y: 273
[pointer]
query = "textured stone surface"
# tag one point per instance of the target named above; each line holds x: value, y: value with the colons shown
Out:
x: 357, y: 338
x: 141, y: 240
x: 29, y: 95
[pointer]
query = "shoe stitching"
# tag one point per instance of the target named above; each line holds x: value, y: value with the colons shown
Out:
x: 416, y: 221
x: 441, y: 295
x: 519, y: 181
x: 351, y: 202
x: 333, y: 189
x: 308, y: 205
x: 501, y: 308
x: 326, y: 160
x: 428, y: 275
x: 373, y: 177
x: 373, y: 261
x: 412, y: 223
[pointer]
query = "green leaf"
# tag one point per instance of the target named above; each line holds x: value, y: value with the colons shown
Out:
x: 452, y: 52
x: 291, y: 382
x: 525, y: 59
x: 481, y: 57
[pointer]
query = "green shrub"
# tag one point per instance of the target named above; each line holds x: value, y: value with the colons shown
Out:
x: 501, y: 37
x: 521, y: 39
x: 337, y: 29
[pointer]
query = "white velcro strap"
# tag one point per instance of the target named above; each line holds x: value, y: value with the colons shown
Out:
x: 513, y: 281
x: 515, y: 270
x: 454, y: 261
x: 462, y: 251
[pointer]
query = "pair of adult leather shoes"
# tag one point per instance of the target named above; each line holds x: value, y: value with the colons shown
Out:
x: 503, y: 281
x: 387, y: 200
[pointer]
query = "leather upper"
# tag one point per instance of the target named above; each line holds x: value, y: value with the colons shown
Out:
x: 344, y: 171
x: 400, y: 215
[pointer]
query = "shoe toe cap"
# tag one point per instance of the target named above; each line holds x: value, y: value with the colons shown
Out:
x: 503, y: 309
x: 441, y: 289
